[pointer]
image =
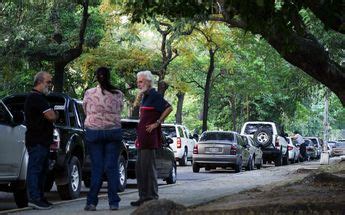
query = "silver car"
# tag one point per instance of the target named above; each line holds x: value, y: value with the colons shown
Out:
x: 220, y: 149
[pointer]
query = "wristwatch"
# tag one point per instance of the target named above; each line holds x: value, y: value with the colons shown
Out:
x: 159, y: 122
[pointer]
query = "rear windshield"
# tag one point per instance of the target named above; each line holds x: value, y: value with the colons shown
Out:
x: 252, y: 128
x: 308, y: 143
x: 169, y: 131
x: 226, y: 136
x: 314, y: 141
x: 340, y: 145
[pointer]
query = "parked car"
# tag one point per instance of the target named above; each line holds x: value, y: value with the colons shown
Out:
x: 294, y: 152
x: 310, y: 149
x: 339, y: 148
x: 318, y: 143
x: 165, y: 158
x: 183, y: 142
x: 221, y: 149
x: 69, y: 163
x: 255, y: 151
x: 271, y: 138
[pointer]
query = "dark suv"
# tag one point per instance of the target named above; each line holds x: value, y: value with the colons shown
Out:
x: 69, y: 162
x: 165, y: 158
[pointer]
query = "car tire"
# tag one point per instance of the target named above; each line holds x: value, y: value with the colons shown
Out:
x: 196, y: 168
x: 123, y: 174
x: 279, y: 160
x: 286, y: 160
x: 238, y: 166
x: 250, y: 164
x: 183, y: 161
x: 258, y: 166
x: 71, y: 190
x: 20, y: 197
x: 263, y: 137
x: 172, y: 175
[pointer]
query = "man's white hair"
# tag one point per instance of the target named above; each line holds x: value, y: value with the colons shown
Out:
x: 148, y: 75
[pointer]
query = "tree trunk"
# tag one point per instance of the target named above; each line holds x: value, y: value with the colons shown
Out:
x: 162, y: 85
x: 207, y: 91
x: 326, y: 116
x: 232, y: 102
x: 59, y: 69
x: 180, y: 99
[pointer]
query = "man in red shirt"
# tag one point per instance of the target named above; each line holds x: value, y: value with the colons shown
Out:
x: 153, y: 110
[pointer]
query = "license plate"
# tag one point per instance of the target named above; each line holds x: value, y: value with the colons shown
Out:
x: 213, y: 150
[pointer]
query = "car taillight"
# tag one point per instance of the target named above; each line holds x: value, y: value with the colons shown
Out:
x: 233, y: 150
x: 195, y: 149
x: 290, y: 148
x: 56, y: 141
x: 178, y: 142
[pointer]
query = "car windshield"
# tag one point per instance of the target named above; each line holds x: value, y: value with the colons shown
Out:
x: 340, y: 145
x: 227, y: 136
x: 252, y: 128
x: 129, y: 131
x: 169, y: 131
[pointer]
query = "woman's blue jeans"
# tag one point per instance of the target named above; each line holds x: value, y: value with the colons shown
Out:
x: 104, y: 148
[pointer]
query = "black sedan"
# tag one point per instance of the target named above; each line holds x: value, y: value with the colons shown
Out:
x: 165, y: 158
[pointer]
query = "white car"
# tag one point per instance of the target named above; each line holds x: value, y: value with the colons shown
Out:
x: 293, y: 151
x: 183, y: 142
x: 271, y: 138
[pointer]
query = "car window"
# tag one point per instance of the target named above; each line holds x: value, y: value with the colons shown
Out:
x: 180, y: 131
x: 72, y: 115
x: 129, y: 131
x: 4, y: 115
x: 340, y: 144
x: 186, y: 132
x: 169, y: 131
x: 314, y: 141
x: 207, y: 136
x: 252, y: 128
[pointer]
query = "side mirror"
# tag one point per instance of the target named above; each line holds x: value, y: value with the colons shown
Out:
x: 18, y: 117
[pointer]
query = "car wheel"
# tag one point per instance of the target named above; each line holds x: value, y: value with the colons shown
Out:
x: 20, y: 197
x: 250, y: 164
x: 279, y: 160
x: 172, y: 175
x: 238, y: 166
x: 196, y: 168
x: 258, y: 166
x: 122, y: 174
x: 263, y: 137
x: 183, y: 161
x: 286, y: 160
x: 71, y: 190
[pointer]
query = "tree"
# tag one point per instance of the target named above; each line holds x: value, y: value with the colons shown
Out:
x: 279, y: 22
x: 50, y: 31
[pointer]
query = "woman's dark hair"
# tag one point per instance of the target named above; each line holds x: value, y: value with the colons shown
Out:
x: 296, y: 132
x: 103, y: 78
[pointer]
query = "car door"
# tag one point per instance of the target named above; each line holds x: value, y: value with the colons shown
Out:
x: 12, y: 145
x: 245, y: 150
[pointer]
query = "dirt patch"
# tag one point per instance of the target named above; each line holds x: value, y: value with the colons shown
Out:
x: 321, y: 191
x: 160, y: 207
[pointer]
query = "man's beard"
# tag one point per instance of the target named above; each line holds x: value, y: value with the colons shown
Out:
x: 144, y: 89
x: 46, y: 91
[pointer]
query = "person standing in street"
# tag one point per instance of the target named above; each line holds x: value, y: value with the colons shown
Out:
x: 39, y: 119
x: 103, y: 105
x: 300, y: 141
x: 153, y: 110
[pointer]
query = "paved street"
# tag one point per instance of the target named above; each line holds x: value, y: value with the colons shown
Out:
x: 191, y: 189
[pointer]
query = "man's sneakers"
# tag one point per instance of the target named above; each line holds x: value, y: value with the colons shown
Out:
x: 90, y: 207
x: 40, y: 204
x: 137, y: 203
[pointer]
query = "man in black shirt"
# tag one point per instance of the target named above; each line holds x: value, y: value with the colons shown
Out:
x: 39, y: 135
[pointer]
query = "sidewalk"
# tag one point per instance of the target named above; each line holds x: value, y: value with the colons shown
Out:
x: 187, y: 193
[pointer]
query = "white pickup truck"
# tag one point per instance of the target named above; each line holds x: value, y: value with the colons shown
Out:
x: 272, y: 140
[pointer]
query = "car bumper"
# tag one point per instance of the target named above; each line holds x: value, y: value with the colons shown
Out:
x: 215, y: 159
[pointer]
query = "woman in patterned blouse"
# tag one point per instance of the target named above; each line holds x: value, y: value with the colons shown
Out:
x: 103, y: 105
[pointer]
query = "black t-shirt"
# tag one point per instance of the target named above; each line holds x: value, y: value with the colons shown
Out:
x: 39, y: 129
